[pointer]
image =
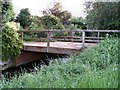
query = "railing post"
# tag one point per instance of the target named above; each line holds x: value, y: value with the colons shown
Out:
x: 98, y: 36
x: 22, y: 35
x: 0, y: 71
x: 83, y: 38
x: 48, y: 40
x: 72, y: 36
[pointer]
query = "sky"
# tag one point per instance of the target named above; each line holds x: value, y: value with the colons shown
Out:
x: 36, y: 6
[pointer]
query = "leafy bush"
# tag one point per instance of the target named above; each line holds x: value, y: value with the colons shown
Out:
x: 11, y: 43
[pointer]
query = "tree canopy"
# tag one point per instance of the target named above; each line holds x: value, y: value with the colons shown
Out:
x: 100, y: 15
x: 51, y: 22
x: 7, y: 11
x: 24, y: 18
x: 64, y: 15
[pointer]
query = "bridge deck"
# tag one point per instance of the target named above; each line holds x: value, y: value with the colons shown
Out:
x: 56, y: 47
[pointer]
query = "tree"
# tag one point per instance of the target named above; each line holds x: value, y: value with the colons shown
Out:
x: 51, y: 22
x: 7, y: 11
x: 24, y: 18
x: 56, y: 10
x: 101, y: 14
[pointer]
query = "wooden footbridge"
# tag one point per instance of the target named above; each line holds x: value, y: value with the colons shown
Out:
x: 73, y: 45
x: 57, y: 44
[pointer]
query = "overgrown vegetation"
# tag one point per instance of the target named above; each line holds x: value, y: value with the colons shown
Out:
x: 93, y: 68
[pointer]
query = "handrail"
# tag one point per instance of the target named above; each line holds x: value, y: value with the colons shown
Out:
x: 115, y: 31
x: 72, y: 31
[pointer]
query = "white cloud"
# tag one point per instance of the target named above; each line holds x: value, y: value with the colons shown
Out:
x: 36, y: 6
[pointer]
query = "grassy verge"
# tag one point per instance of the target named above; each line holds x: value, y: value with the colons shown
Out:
x: 94, y: 68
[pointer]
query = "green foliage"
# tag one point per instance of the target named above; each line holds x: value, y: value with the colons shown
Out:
x: 33, y: 26
x: 114, y: 25
x: 94, y: 68
x: 36, y: 22
x: 79, y: 23
x: 103, y: 56
x: 11, y: 43
x: 24, y: 18
x: 7, y: 10
x: 101, y: 14
x: 28, y: 36
x: 56, y: 10
x: 51, y: 22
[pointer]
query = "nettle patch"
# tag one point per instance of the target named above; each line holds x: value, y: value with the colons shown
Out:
x: 11, y: 43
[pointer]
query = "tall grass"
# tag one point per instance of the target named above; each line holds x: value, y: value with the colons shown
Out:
x: 94, y: 68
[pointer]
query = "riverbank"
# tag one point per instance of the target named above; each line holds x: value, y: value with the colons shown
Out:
x: 93, y: 68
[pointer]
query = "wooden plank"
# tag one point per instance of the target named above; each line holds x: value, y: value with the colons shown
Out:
x: 56, y: 47
x: 78, y: 40
x: 68, y: 37
x: 107, y: 31
x: 61, y: 38
x: 52, y: 50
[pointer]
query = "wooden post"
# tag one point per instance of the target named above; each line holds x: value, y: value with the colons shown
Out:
x: 48, y: 40
x: 22, y: 35
x: 98, y: 36
x: 0, y: 71
x: 83, y: 38
x: 72, y: 36
x: 1, y: 68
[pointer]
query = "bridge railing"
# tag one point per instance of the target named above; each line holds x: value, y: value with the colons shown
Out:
x: 71, y: 31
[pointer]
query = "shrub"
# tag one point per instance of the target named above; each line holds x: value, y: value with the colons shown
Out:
x: 11, y: 43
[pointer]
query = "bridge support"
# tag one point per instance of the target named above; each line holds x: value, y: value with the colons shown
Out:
x: 28, y: 56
